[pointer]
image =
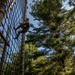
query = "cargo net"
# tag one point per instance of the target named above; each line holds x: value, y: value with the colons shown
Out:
x: 12, y: 12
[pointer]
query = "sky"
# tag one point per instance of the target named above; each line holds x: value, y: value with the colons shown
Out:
x: 29, y: 10
x: 66, y: 6
x: 31, y: 18
x: 35, y: 23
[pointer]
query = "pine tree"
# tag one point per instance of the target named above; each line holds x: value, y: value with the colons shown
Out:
x: 56, y: 31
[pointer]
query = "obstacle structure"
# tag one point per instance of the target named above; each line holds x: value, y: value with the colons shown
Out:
x: 11, y: 14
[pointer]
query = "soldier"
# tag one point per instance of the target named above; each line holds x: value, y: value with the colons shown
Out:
x: 24, y: 26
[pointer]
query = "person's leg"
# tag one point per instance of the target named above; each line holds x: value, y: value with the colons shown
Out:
x: 18, y: 27
x: 19, y: 34
x: 26, y: 29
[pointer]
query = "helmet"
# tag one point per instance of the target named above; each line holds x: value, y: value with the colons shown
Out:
x: 27, y: 19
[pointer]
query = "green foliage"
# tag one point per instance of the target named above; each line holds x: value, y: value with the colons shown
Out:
x: 57, y: 26
x: 33, y: 59
x: 56, y: 32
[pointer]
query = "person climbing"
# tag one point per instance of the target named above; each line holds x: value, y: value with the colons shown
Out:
x: 24, y: 26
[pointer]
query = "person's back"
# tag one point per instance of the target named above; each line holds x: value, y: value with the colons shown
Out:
x: 27, y: 23
x: 25, y: 26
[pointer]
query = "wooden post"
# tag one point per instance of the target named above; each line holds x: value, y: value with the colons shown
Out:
x: 2, y: 9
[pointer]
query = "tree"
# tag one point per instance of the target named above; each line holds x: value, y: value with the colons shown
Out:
x: 31, y: 56
x: 56, y: 31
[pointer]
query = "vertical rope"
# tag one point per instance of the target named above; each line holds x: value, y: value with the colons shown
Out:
x: 22, y: 45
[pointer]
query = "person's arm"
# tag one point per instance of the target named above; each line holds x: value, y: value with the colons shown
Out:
x: 22, y: 23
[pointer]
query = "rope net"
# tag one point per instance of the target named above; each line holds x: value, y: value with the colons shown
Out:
x: 8, y: 45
